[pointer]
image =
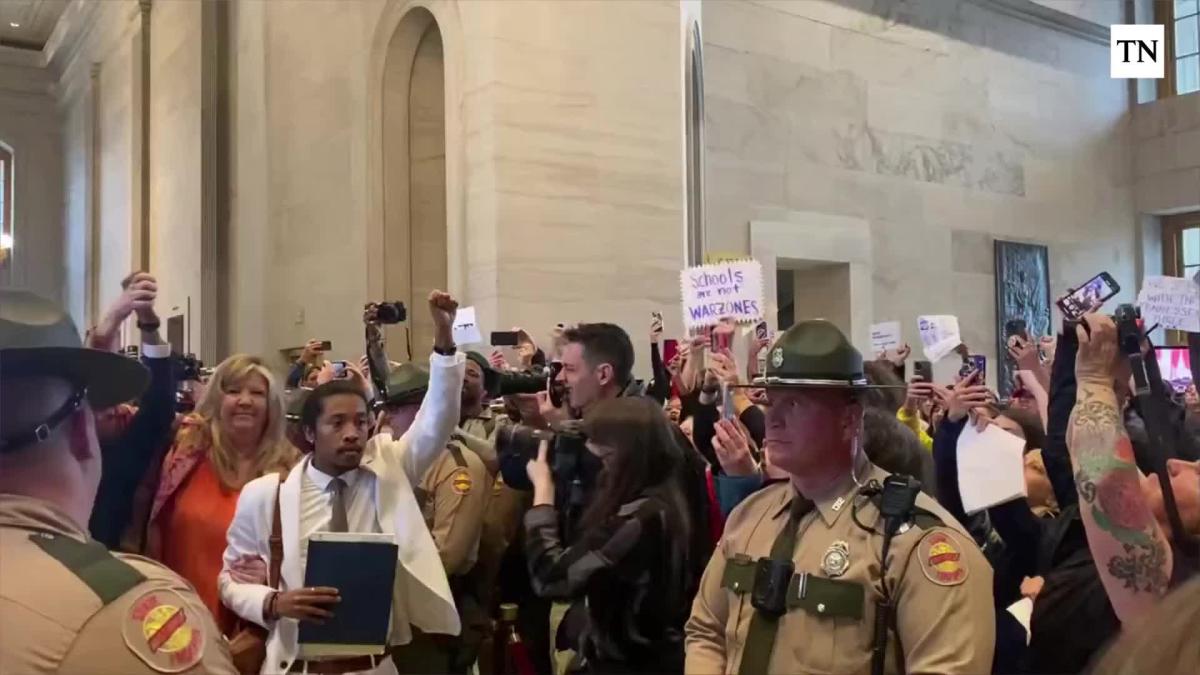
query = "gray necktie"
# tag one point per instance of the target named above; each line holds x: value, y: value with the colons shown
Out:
x: 337, y: 522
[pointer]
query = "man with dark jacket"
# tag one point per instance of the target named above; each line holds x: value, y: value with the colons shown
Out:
x: 597, y: 364
x: 130, y: 443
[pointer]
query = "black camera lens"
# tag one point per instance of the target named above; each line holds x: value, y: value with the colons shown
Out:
x: 518, y: 444
x: 391, y: 312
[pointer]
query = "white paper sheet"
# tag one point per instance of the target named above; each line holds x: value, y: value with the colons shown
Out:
x: 991, y: 467
x: 1171, y: 302
x: 1023, y: 611
x: 939, y: 335
x: 465, y: 329
x: 885, y: 336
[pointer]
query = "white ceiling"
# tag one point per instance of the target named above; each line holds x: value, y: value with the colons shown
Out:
x: 35, y: 21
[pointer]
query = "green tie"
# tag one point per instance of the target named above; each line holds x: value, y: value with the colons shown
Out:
x: 760, y: 639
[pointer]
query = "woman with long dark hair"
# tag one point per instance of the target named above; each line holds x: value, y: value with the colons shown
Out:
x: 627, y: 569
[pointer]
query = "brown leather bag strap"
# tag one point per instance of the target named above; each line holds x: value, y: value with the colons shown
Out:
x: 276, y: 543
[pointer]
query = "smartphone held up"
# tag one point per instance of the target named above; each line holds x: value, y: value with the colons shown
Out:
x: 1089, y: 297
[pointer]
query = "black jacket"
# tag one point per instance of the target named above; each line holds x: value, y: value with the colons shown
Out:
x: 632, y: 575
x: 124, y: 460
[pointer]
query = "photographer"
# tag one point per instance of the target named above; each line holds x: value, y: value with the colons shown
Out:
x: 131, y: 442
x: 630, y: 559
x: 1123, y: 514
x: 303, y: 371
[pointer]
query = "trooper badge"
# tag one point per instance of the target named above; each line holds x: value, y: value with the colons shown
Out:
x: 836, y: 560
x: 777, y: 357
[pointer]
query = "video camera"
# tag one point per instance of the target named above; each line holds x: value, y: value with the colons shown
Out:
x: 386, y: 313
x: 1166, y: 433
x: 187, y: 367
x: 390, y: 312
x: 532, y: 382
x: 575, y: 469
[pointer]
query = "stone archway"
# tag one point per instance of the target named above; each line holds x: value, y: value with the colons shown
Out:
x: 414, y: 193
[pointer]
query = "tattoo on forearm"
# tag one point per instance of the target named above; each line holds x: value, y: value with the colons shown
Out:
x: 1108, y: 483
x: 1142, y: 568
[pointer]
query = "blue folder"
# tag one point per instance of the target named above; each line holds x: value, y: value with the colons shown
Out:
x: 363, y: 569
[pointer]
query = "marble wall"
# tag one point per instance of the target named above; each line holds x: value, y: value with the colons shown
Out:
x: 29, y: 127
x: 927, y: 127
x: 175, y: 196
x: 1167, y: 163
x: 115, y: 178
x: 944, y: 125
x: 564, y: 189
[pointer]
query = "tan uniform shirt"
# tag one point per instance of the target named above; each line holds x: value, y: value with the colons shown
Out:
x: 51, y: 621
x: 455, y: 498
x: 940, y: 583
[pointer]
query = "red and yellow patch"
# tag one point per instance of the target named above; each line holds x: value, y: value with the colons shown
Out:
x: 942, y: 560
x: 160, y: 630
x: 461, y: 482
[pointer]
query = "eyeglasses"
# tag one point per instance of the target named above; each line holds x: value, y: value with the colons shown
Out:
x: 41, y: 432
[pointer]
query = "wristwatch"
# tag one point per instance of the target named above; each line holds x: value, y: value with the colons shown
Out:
x: 449, y: 351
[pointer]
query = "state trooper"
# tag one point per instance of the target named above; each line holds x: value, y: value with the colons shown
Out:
x: 843, y: 568
x: 453, y: 496
x: 66, y: 603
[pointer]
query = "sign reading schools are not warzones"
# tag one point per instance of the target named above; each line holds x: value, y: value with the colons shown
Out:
x: 729, y: 289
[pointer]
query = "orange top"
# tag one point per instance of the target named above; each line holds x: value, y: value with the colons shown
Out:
x: 194, y: 533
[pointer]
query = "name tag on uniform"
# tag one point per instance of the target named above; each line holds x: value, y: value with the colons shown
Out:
x: 827, y: 597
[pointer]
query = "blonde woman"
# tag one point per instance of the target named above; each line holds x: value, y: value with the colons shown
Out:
x: 234, y: 436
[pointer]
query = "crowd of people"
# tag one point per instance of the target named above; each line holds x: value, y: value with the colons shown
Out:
x: 792, y: 509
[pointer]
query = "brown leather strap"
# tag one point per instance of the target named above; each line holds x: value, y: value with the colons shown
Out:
x: 351, y: 664
x: 276, y: 542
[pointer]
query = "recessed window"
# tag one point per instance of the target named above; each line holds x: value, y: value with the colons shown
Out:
x: 1186, y: 50
x: 6, y: 198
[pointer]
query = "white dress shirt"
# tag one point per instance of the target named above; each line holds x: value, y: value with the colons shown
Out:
x: 316, y: 503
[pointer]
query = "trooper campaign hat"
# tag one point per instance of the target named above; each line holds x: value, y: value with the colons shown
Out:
x: 407, y: 383
x: 491, y: 378
x: 39, y: 339
x: 814, y: 354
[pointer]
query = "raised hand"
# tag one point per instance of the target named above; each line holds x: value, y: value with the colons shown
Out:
x: 963, y: 397
x: 732, y: 444
x: 442, y: 308
x: 1098, y: 356
x: 313, y: 352
x: 1024, y: 353
x: 919, y: 391
x: 897, y: 356
x: 723, y: 368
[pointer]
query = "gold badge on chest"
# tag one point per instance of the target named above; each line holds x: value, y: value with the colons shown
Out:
x: 836, y: 560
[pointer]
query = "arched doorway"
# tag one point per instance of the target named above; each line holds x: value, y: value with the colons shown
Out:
x: 414, y: 174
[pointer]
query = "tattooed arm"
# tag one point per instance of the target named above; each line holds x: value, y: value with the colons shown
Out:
x: 1128, y: 545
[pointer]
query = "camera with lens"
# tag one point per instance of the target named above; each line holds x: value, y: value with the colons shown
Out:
x: 187, y: 367
x: 188, y: 371
x: 1129, y: 332
x: 569, y: 459
x: 390, y: 312
x: 532, y: 382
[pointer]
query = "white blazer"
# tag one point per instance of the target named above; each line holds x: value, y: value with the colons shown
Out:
x: 421, y: 596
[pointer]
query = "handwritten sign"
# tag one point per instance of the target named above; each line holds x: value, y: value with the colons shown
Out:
x: 1171, y: 302
x: 711, y: 292
x: 717, y: 258
x: 465, y: 329
x: 885, y: 336
x: 939, y: 335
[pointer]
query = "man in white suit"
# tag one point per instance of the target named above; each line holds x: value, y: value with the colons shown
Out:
x: 353, y: 485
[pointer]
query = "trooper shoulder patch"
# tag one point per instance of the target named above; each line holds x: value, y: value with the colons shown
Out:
x: 461, y: 482
x: 941, y: 558
x: 159, y: 629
